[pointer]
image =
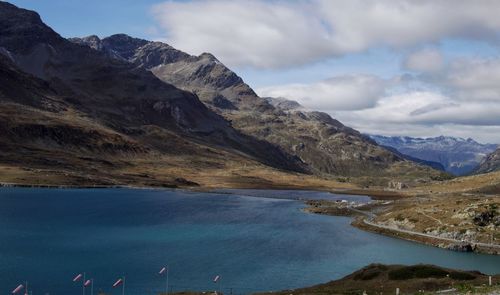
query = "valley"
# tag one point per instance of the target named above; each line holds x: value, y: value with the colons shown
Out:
x: 127, y: 112
x: 127, y: 152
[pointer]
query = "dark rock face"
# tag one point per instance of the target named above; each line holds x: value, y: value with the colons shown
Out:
x: 124, y: 45
x: 92, y: 41
x: 461, y: 247
x: 322, y: 142
x: 221, y: 102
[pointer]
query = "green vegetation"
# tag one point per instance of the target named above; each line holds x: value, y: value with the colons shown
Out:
x: 384, y: 279
x: 442, y: 177
x: 427, y: 271
x: 417, y: 271
x: 463, y: 288
x: 461, y: 276
x: 369, y: 274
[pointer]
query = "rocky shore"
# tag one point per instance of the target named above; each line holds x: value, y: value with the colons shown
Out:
x: 460, y: 223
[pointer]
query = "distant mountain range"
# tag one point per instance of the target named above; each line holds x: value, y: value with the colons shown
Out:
x: 123, y: 109
x: 457, y: 155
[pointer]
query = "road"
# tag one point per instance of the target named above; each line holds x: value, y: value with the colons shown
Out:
x: 495, y: 246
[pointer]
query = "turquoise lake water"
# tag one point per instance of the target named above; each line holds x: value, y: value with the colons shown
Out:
x: 47, y: 236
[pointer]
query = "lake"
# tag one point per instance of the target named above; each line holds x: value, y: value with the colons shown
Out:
x: 47, y: 236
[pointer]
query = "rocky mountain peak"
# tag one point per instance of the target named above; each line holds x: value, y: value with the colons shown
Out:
x: 123, y: 44
x: 21, y: 29
x: 92, y: 41
x: 154, y: 54
x: 142, y: 53
x: 208, y: 56
x: 199, y: 74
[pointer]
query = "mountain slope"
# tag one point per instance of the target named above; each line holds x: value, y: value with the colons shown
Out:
x: 458, y: 156
x: 435, y: 165
x: 66, y: 106
x: 325, y: 144
x: 491, y: 163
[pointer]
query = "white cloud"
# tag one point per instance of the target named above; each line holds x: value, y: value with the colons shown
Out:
x: 484, y: 134
x: 425, y: 114
x: 463, y: 94
x: 459, y: 97
x: 430, y: 108
x: 258, y: 33
x: 477, y: 79
x: 339, y: 93
x: 428, y: 60
x: 271, y: 34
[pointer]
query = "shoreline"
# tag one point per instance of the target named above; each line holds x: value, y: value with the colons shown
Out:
x: 362, y: 219
x: 358, y: 218
x: 439, y: 242
x: 374, y: 194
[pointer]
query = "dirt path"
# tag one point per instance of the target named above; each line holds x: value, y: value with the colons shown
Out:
x: 430, y: 217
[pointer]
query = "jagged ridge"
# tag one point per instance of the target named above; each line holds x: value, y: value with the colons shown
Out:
x: 320, y: 141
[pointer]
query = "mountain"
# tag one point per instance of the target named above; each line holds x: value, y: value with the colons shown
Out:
x: 434, y: 165
x: 459, y: 156
x: 75, y: 110
x: 123, y: 110
x: 204, y: 75
x: 325, y: 144
x: 490, y: 163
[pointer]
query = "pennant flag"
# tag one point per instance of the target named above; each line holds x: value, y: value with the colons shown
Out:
x: 19, y: 288
x: 87, y: 283
x: 118, y: 283
x: 162, y: 271
x: 216, y: 279
x: 78, y: 277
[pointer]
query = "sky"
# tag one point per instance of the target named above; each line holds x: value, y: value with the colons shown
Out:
x: 413, y: 68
